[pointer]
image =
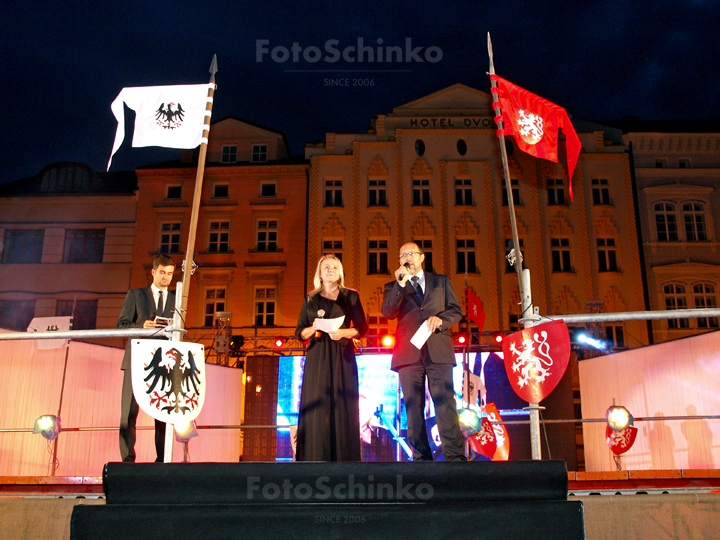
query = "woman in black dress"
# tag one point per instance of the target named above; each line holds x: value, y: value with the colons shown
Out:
x: 329, y: 416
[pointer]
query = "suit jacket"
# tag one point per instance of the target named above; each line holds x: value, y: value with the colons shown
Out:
x: 137, y: 308
x: 401, y: 303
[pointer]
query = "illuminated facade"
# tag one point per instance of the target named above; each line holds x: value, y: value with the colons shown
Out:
x: 431, y: 172
x: 677, y: 169
x: 67, y: 243
x: 250, y: 244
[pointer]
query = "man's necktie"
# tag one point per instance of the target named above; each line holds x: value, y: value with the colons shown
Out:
x: 160, y: 304
x: 417, y: 288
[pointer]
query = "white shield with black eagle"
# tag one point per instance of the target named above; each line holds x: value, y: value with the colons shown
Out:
x: 168, y: 379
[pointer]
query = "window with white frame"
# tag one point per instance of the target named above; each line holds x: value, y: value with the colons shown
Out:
x: 378, y: 257
x: 676, y: 298
x: 466, y: 256
x: 170, y: 237
x: 694, y: 220
x: 377, y: 192
x: 265, y: 306
x: 214, y: 301
x: 333, y: 193
x: 333, y: 247
x: 219, y: 237
x: 692, y: 214
x: 666, y: 222
x: 555, y: 191
x: 421, y: 192
x: 378, y: 325
x: 607, y: 255
x: 259, y: 153
x: 463, y: 192
x: 615, y: 335
x: 600, y: 191
x: 560, y: 252
x: 704, y: 297
x: 229, y: 154
x: 267, y: 235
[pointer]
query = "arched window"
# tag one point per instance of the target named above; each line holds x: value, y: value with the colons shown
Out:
x: 419, y: 147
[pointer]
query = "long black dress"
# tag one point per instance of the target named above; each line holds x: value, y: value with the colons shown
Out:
x: 329, y: 416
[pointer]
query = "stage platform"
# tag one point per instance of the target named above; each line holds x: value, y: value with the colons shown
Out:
x: 674, y: 504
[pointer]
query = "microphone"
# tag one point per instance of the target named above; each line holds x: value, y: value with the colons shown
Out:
x: 321, y: 314
x: 402, y: 276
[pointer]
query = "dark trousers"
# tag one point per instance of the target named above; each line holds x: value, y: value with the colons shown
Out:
x: 128, y: 418
x: 440, y: 382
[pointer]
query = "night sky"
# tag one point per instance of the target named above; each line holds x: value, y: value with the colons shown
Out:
x: 63, y: 63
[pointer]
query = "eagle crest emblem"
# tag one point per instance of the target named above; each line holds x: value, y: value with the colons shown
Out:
x: 170, y: 117
x: 168, y: 379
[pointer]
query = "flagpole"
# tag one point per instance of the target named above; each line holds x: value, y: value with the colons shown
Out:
x: 188, y: 264
x: 526, y: 301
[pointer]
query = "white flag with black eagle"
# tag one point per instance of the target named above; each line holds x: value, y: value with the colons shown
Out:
x: 167, y: 116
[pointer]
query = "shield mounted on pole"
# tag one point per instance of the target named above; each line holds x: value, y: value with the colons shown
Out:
x: 168, y: 378
x: 536, y: 359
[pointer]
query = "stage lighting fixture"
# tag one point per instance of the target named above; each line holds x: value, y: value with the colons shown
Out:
x: 48, y: 426
x: 584, y: 338
x: 388, y: 341
x: 185, y: 431
x: 498, y: 337
x: 460, y: 338
x: 618, y: 417
x: 236, y: 343
x: 469, y: 422
x: 279, y: 342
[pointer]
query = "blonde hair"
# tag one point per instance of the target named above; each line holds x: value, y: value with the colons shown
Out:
x: 317, y: 280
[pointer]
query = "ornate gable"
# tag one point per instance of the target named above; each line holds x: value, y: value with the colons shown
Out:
x: 333, y: 228
x: 378, y: 227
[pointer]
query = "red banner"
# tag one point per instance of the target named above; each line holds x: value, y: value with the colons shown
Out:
x: 475, y: 311
x: 534, y: 123
x: 536, y: 359
x: 502, y: 439
x: 620, y: 441
x: 484, y: 441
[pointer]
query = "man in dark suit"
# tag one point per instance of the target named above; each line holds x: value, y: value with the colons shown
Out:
x: 413, y: 298
x: 139, y: 310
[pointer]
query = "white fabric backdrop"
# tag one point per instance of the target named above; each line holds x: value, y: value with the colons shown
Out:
x: 30, y: 385
x: 677, y: 378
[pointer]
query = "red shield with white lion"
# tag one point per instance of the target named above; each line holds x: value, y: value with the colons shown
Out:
x: 536, y: 359
x: 168, y: 379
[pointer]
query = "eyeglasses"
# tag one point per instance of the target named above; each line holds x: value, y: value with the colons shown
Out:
x: 409, y: 254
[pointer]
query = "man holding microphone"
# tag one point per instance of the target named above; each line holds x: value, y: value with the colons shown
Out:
x: 414, y: 298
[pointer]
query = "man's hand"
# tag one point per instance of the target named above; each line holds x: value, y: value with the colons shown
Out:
x: 405, y: 273
x: 151, y: 324
x: 434, y: 323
